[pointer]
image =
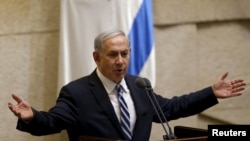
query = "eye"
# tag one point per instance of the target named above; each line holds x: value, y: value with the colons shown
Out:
x: 125, y: 54
x: 112, y: 54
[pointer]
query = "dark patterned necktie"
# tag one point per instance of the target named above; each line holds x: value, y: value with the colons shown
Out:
x: 125, y: 122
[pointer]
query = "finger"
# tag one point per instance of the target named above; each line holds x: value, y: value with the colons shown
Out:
x: 10, y: 105
x: 14, y: 112
x: 224, y: 76
x: 236, y: 94
x: 16, y: 98
x: 237, y: 81
x: 238, y: 89
x: 12, y: 108
x: 238, y: 85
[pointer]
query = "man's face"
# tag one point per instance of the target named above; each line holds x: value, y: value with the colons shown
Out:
x: 113, y: 61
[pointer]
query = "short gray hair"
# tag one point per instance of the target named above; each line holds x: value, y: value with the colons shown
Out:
x: 102, y: 37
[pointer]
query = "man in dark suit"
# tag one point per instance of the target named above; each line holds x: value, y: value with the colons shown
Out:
x: 89, y: 105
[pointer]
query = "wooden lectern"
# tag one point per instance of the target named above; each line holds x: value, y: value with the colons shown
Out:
x: 90, y: 138
x: 182, y: 133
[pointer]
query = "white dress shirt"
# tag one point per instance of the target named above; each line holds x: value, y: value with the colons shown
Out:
x: 112, y: 92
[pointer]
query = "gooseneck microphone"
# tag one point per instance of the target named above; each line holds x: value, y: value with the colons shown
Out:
x: 145, y: 84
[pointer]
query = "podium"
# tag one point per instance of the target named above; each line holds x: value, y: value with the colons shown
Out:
x: 182, y: 133
x: 90, y: 138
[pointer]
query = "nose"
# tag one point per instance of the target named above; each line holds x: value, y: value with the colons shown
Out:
x: 119, y: 58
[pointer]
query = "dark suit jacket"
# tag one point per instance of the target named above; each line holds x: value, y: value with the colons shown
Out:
x: 83, y: 108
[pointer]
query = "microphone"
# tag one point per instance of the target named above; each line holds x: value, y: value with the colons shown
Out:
x: 145, y: 84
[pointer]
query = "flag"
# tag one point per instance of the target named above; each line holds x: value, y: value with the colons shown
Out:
x: 82, y: 20
x: 141, y: 38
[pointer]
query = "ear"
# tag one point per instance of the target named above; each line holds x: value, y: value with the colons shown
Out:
x: 96, y: 56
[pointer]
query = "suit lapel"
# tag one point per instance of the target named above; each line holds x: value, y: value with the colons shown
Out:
x: 139, y: 97
x: 102, y: 98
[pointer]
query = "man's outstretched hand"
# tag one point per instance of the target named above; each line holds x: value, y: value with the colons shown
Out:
x: 22, y: 109
x: 228, y: 88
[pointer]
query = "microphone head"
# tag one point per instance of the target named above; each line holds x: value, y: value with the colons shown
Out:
x: 148, y: 83
x: 140, y: 82
x: 143, y: 83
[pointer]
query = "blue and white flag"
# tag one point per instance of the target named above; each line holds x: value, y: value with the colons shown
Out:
x: 82, y: 20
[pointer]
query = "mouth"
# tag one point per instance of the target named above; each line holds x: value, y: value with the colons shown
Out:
x: 120, y: 70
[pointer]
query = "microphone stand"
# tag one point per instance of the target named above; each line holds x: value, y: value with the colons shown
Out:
x: 165, y: 137
x: 155, y: 104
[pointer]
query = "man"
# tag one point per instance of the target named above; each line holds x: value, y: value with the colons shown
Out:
x: 89, y: 106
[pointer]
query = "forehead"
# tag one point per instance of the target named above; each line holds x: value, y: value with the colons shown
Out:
x: 116, y: 41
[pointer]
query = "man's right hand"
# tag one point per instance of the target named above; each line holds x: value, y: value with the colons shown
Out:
x: 22, y: 109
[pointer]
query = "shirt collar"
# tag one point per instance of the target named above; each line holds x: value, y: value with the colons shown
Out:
x: 110, y: 85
